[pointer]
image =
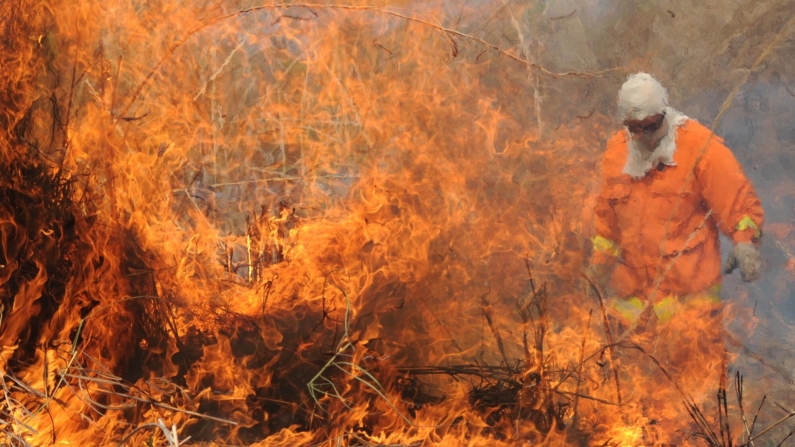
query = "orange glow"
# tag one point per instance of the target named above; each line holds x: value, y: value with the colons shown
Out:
x: 278, y: 225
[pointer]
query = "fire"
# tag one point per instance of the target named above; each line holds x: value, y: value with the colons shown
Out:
x: 278, y: 225
x: 628, y: 436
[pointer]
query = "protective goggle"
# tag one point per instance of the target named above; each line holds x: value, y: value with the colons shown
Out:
x: 647, y: 126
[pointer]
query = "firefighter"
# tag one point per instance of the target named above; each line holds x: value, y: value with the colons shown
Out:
x: 668, y: 186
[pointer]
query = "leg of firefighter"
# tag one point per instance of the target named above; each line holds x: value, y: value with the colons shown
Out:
x: 679, y: 356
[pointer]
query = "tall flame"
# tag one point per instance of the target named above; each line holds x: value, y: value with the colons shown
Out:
x: 314, y: 224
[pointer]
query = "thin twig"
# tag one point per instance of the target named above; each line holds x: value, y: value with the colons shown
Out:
x: 753, y: 423
x: 779, y: 422
x: 585, y: 396
x: 115, y: 87
x: 488, y: 312
x: 609, y: 335
x: 582, y: 354
x: 564, y: 16
x: 738, y: 385
x: 447, y: 31
x: 785, y: 438
x: 426, y: 23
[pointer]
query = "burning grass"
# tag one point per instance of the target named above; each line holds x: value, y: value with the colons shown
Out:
x: 534, y: 399
x: 88, y: 381
x: 254, y: 225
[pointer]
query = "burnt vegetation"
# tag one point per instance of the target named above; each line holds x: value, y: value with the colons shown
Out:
x: 82, y: 292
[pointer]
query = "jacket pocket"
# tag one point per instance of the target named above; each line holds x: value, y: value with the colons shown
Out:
x: 674, y: 187
x: 617, y: 193
x: 687, y: 241
x: 676, y: 203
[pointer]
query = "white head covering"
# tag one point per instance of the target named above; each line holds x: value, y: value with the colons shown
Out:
x: 641, y: 96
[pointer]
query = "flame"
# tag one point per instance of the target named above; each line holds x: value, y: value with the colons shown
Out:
x: 285, y: 225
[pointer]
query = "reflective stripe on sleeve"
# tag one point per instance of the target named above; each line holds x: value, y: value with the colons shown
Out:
x: 746, y: 223
x: 605, y: 245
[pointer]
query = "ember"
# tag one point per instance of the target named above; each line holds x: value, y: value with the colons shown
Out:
x: 241, y: 223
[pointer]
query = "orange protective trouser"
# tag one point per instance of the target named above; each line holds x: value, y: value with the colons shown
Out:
x: 687, y: 342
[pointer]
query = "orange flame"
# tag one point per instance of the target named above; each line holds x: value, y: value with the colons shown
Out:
x: 277, y: 215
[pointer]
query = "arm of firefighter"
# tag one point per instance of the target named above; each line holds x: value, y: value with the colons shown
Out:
x: 730, y: 195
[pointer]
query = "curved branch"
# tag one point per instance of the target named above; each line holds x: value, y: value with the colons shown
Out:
x: 448, y: 32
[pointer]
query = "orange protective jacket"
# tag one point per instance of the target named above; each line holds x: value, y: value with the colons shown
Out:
x: 662, y: 229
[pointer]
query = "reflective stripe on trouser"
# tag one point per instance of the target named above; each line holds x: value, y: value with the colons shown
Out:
x: 630, y: 309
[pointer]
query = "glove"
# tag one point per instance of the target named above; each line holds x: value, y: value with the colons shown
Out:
x: 746, y: 256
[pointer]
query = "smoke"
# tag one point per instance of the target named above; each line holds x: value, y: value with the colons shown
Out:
x: 417, y: 156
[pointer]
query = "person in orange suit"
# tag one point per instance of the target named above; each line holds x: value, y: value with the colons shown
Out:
x: 669, y: 186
